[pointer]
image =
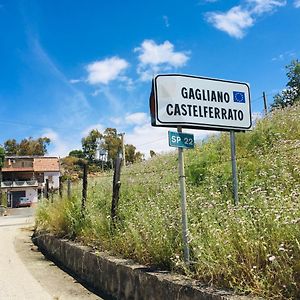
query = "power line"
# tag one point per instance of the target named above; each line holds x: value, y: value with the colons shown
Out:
x: 151, y: 142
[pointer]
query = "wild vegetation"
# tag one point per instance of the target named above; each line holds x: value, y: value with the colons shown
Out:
x: 253, y: 247
x: 98, y: 151
x: 291, y: 94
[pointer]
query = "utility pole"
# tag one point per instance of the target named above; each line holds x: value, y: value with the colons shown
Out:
x: 265, y: 103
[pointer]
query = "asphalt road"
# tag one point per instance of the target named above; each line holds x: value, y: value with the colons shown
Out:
x: 25, y: 274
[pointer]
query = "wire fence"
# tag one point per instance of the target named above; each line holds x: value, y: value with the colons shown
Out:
x: 128, y: 172
x: 149, y: 177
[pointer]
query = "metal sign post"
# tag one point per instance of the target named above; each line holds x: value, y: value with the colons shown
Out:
x: 234, y: 168
x: 186, y: 101
x: 183, y: 203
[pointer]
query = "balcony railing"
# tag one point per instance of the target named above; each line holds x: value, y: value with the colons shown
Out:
x: 18, y: 183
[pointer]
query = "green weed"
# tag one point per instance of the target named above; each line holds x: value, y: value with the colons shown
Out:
x: 251, y: 248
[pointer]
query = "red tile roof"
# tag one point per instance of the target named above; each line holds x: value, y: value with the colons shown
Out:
x: 46, y: 164
x: 33, y: 164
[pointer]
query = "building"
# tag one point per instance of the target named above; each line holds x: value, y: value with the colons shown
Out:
x: 26, y: 176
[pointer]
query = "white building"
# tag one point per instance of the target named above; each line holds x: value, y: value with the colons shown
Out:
x: 25, y: 176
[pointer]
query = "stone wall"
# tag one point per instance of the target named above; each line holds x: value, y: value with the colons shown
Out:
x: 123, y: 279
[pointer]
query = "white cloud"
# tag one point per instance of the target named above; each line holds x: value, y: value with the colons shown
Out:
x: 154, y: 54
x: 264, y: 6
x: 256, y: 116
x: 158, y: 57
x: 75, y: 81
x: 96, y: 92
x: 116, y: 120
x: 137, y: 118
x: 238, y: 19
x: 64, y: 97
x: 234, y: 22
x: 285, y: 55
x: 58, y: 146
x: 297, y: 3
x: 106, y: 70
x: 146, y: 137
x: 166, y: 20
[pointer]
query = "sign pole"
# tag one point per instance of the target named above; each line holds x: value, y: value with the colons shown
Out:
x: 186, y: 249
x: 234, y: 168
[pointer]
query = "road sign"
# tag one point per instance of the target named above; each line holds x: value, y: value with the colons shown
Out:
x: 199, y: 102
x: 181, y: 140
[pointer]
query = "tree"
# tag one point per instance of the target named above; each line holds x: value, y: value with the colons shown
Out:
x: 139, y: 156
x: 11, y: 147
x: 152, y: 153
x: 90, y: 145
x: 2, y: 155
x: 291, y: 94
x: 28, y: 146
x: 112, y: 143
x: 77, y: 153
x: 41, y: 145
x: 131, y: 155
x: 34, y: 147
x: 70, y: 167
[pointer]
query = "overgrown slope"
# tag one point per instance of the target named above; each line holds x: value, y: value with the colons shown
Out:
x: 253, y: 247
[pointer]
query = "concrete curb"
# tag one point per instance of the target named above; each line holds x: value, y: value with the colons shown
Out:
x: 121, y: 278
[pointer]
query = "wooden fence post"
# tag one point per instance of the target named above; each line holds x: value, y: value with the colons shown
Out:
x: 60, y: 187
x: 51, y: 194
x: 1, y: 201
x: 47, y: 189
x: 84, y: 186
x: 116, y: 190
x: 69, y: 188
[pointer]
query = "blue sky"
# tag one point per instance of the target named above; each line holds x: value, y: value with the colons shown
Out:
x: 70, y: 66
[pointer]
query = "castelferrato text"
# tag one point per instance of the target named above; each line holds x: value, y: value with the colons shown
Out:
x: 204, y: 112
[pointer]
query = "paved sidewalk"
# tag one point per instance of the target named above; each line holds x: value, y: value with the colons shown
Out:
x: 25, y: 274
x: 16, y: 281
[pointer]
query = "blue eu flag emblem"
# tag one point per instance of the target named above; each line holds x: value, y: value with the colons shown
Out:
x: 239, y: 97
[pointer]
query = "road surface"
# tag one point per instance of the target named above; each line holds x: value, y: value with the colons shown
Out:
x: 25, y: 274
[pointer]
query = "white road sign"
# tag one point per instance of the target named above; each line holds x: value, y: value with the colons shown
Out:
x: 198, y: 102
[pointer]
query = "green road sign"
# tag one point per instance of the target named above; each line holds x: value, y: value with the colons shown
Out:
x: 181, y: 140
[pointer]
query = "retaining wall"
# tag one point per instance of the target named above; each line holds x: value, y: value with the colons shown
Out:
x: 123, y: 279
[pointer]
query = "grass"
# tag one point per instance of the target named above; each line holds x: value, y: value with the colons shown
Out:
x: 252, y: 248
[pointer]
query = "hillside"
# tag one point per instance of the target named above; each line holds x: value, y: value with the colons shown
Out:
x: 252, y: 248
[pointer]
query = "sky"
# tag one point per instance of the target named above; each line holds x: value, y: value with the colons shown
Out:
x: 70, y: 66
